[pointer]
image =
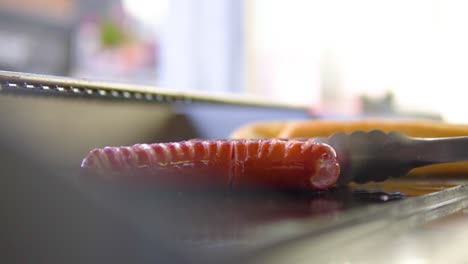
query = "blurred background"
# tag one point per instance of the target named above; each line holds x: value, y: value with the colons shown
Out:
x: 338, y: 58
x: 405, y: 58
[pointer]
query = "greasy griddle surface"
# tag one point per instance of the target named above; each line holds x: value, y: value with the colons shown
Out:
x: 218, y: 224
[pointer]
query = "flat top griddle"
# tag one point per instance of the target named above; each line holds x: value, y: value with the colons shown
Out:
x: 49, y: 123
x: 251, y: 225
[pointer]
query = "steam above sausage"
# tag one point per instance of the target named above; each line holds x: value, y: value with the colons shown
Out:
x: 272, y: 163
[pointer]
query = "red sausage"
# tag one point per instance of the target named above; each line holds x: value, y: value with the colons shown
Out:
x: 285, y: 164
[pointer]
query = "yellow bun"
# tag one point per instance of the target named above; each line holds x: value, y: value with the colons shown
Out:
x: 324, y: 128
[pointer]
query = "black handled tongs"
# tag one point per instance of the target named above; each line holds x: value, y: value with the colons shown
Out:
x: 377, y: 156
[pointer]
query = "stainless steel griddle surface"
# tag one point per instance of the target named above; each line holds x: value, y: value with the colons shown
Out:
x: 230, y: 225
x: 53, y: 215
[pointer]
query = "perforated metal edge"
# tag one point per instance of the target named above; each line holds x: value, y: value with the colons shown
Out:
x: 26, y: 83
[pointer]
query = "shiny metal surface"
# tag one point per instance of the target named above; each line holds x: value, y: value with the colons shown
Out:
x: 58, y: 115
x: 363, y: 235
x: 377, y: 155
x: 53, y: 215
x: 26, y: 83
x: 280, y: 227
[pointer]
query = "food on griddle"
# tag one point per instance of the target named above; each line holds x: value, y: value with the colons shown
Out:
x: 324, y: 128
x: 277, y: 164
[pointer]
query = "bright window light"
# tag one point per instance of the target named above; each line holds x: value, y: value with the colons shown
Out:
x: 151, y: 12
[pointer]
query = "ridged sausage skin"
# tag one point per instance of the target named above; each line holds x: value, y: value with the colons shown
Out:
x: 272, y: 163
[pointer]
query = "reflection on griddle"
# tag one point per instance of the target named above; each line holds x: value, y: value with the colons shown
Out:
x: 218, y: 224
x: 408, y: 186
x: 378, y: 196
x: 231, y: 215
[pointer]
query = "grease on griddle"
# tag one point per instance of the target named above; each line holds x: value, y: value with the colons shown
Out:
x: 378, y: 197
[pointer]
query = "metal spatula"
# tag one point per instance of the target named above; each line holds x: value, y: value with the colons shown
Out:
x: 377, y: 156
